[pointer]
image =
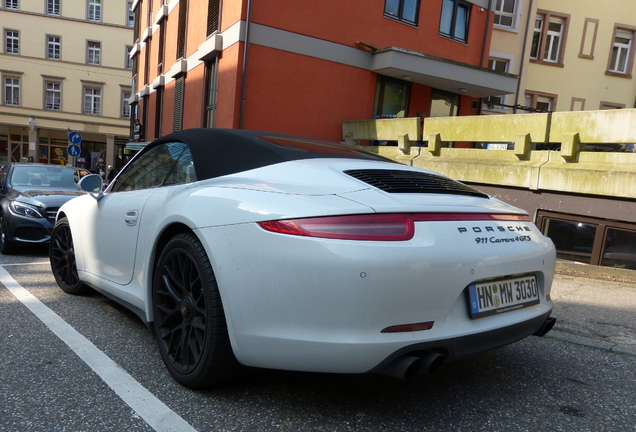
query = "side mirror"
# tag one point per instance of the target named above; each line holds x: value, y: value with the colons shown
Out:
x: 93, y: 185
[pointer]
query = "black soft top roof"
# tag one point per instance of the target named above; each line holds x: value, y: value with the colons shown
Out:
x: 218, y: 152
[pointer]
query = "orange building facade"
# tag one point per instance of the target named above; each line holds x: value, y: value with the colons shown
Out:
x: 305, y: 67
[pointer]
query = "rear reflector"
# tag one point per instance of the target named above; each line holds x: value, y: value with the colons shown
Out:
x: 375, y: 227
x: 409, y: 327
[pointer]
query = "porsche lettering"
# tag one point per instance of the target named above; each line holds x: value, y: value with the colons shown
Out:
x: 489, y: 228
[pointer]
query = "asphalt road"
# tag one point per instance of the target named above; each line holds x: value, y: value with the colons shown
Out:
x: 84, y: 364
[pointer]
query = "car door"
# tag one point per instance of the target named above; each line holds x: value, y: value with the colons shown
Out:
x: 116, y: 219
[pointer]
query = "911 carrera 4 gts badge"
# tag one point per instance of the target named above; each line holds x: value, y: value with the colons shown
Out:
x: 497, y: 229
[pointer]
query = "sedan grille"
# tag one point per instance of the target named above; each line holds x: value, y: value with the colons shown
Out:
x: 51, y: 212
x: 401, y: 181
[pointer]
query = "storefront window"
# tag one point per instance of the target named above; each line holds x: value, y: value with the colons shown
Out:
x: 588, y: 240
x: 620, y: 249
x: 573, y: 240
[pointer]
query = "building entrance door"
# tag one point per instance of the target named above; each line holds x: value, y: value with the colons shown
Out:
x: 17, y: 151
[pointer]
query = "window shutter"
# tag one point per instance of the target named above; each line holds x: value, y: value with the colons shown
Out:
x: 181, y: 35
x: 214, y: 11
x: 178, y: 104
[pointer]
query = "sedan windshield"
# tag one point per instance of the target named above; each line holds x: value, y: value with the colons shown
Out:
x: 45, y: 177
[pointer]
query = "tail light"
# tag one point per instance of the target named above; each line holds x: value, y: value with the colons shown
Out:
x: 375, y: 227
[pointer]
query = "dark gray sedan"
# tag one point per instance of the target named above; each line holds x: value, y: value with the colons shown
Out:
x: 30, y: 195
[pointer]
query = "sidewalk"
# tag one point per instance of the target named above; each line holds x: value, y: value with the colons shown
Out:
x: 595, y: 306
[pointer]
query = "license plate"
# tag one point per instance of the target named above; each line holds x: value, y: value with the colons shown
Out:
x: 504, y: 295
x: 497, y: 146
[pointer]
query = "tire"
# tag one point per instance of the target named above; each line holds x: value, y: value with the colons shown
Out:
x: 7, y: 247
x: 189, y: 322
x: 62, y: 257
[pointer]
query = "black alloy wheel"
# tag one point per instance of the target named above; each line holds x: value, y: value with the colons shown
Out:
x: 189, y: 322
x: 62, y: 257
x: 7, y: 247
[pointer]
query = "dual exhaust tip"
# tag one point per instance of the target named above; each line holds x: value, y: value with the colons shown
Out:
x: 409, y: 365
x: 427, y: 363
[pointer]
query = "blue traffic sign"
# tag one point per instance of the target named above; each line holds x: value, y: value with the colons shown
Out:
x: 73, y: 150
x: 74, y: 137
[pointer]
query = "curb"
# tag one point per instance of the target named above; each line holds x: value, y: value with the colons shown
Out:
x: 571, y: 268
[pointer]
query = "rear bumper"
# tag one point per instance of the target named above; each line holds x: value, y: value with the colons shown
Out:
x: 466, y: 346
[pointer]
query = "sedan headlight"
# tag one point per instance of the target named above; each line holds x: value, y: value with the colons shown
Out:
x: 27, y: 210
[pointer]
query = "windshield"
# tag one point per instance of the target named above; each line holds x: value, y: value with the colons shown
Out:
x: 46, y: 177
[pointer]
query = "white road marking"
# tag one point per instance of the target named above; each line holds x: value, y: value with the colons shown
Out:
x: 152, y: 410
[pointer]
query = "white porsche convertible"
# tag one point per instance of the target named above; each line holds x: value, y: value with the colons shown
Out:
x: 242, y: 248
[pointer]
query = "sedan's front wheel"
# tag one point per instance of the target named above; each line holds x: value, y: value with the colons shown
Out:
x: 189, y: 322
x: 7, y: 247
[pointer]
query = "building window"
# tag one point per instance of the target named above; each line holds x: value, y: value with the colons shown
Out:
x: 128, y: 62
x: 506, y: 13
x: 610, y: 105
x: 94, y: 10
x: 11, y: 4
x: 11, y: 42
x: 214, y: 16
x: 496, y: 102
x: 158, y: 110
x: 548, y: 38
x: 12, y: 91
x: 210, y: 92
x: 125, y: 106
x: 92, y: 100
x: 52, y: 95
x: 148, y: 52
x: 402, y: 10
x: 130, y: 14
x: 542, y: 102
x: 455, y: 19
x: 181, y: 30
x: 177, y: 119
x: 53, y: 7
x: 161, y: 52
x: 621, y: 56
x: 93, y: 51
x: 391, y: 98
x: 53, y: 47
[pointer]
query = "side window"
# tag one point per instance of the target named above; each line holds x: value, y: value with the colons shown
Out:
x: 162, y: 165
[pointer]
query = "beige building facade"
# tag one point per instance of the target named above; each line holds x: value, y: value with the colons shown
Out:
x: 65, y: 69
x: 570, y: 55
x: 511, y: 20
x: 581, y: 55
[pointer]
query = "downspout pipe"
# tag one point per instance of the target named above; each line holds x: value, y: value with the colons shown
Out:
x: 486, y: 31
x: 248, y: 22
x: 523, y: 56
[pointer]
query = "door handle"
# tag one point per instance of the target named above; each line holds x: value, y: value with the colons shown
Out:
x: 130, y: 218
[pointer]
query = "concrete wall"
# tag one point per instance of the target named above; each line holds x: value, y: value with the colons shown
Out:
x: 568, y: 178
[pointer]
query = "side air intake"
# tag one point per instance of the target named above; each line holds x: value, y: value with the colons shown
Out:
x: 402, y: 181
